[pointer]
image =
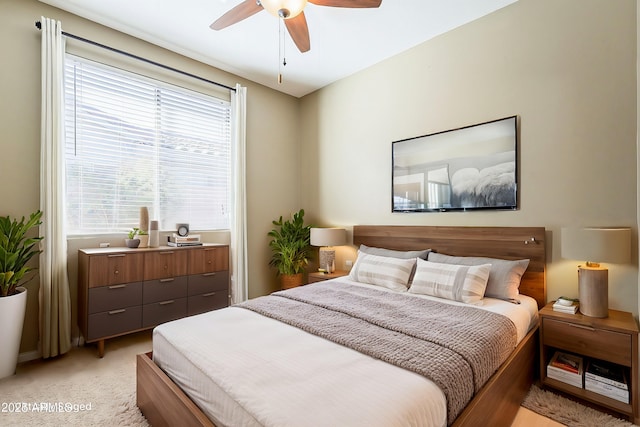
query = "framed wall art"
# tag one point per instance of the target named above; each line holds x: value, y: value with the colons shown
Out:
x: 469, y: 168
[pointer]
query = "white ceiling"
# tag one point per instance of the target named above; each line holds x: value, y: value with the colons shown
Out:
x: 343, y: 41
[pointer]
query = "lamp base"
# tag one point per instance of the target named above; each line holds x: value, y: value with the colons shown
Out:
x: 327, y: 259
x: 593, y: 285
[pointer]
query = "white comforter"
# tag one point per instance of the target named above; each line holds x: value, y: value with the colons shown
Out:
x: 243, y: 369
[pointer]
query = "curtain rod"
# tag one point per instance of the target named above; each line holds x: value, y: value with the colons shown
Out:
x: 139, y: 58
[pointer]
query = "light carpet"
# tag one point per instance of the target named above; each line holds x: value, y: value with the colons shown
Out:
x: 77, y: 389
x: 567, y: 411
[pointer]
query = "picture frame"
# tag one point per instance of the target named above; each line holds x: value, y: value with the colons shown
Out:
x: 469, y: 168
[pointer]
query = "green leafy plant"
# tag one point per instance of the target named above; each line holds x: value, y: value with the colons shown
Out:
x: 290, y: 244
x: 16, y: 249
x: 136, y: 231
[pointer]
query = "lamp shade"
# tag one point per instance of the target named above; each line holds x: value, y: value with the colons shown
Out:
x: 328, y: 236
x: 610, y: 245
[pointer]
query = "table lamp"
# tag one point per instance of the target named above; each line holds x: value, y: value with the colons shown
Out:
x: 610, y: 245
x: 325, y: 238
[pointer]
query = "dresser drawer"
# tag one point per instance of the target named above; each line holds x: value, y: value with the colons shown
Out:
x: 164, y: 264
x: 208, y: 282
x: 164, y: 289
x: 163, y: 311
x: 206, y: 302
x: 208, y: 259
x: 112, y: 269
x: 585, y: 340
x: 114, y: 322
x: 112, y: 297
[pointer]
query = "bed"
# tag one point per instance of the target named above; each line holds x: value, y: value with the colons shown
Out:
x: 494, y: 402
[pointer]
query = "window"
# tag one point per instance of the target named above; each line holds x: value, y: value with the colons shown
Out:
x: 132, y: 141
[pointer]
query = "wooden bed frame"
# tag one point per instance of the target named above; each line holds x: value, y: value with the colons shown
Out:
x: 165, y: 404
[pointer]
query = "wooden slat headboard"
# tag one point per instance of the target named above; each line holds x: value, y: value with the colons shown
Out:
x: 495, y: 242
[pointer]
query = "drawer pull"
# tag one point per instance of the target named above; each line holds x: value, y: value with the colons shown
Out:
x: 166, y: 302
x: 208, y: 274
x: 588, y: 328
x: 167, y: 280
x: 210, y: 294
x: 122, y: 310
x: 166, y: 253
x: 116, y: 256
x: 117, y: 286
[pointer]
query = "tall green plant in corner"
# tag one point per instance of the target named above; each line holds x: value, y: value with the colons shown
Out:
x: 290, y: 245
x: 16, y: 249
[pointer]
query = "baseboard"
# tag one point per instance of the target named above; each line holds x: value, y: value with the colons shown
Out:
x: 29, y: 355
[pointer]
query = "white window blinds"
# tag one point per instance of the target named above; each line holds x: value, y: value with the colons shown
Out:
x: 132, y: 141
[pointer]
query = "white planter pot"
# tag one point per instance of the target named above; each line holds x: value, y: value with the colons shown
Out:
x: 144, y: 240
x: 12, y: 311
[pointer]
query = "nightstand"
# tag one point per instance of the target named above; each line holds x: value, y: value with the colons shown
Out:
x: 318, y: 276
x: 612, y: 339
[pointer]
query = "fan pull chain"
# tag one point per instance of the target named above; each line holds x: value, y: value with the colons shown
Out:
x: 281, y: 50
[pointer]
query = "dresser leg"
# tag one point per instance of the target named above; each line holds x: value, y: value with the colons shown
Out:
x: 101, y: 349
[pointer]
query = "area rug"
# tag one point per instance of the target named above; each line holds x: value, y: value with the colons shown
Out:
x: 105, y: 400
x: 567, y: 411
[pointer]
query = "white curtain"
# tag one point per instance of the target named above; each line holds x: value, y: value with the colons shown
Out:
x: 55, y: 301
x: 238, y: 252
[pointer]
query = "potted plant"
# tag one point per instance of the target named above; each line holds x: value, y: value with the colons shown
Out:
x: 16, y: 250
x: 132, y: 241
x: 291, y: 249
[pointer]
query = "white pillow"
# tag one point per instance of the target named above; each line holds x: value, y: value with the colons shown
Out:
x: 392, y: 273
x: 504, y: 279
x: 454, y: 282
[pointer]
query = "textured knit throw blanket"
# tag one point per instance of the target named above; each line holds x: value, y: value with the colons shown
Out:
x: 457, y: 347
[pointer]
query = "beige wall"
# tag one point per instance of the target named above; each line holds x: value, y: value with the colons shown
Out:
x: 566, y: 68
x: 272, y: 148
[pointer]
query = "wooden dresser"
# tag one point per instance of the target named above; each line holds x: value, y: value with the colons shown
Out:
x: 122, y: 290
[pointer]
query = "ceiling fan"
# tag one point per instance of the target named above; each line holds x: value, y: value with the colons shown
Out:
x: 291, y: 11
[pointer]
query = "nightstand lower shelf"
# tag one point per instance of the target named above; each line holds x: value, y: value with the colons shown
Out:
x: 589, y: 396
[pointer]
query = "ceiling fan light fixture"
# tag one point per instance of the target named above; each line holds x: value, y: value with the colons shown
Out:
x: 285, y: 9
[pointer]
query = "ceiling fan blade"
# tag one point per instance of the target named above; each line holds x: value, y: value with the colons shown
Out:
x: 242, y: 11
x: 299, y: 32
x: 347, y: 3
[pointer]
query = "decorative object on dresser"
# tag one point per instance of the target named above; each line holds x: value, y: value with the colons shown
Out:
x: 124, y: 290
x: 154, y: 234
x: 143, y: 227
x: 132, y: 241
x: 290, y: 249
x: 16, y: 250
x: 610, y: 343
x: 595, y: 245
x: 326, y: 238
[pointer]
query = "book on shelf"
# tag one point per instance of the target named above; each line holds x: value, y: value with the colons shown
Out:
x: 607, y: 373
x: 567, y: 368
x: 607, y: 390
x: 571, y: 309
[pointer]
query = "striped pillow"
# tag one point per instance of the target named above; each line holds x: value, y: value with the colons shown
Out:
x: 462, y: 283
x: 392, y: 273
